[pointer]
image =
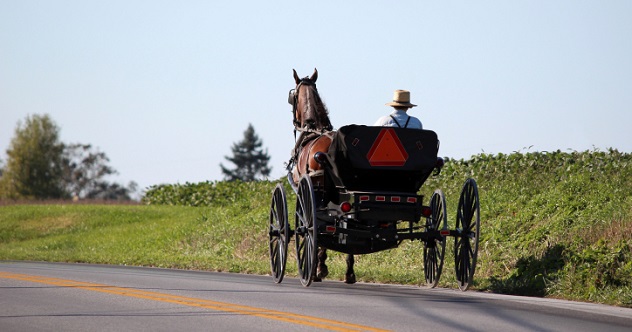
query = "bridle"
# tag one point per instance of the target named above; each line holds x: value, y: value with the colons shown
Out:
x: 292, y: 99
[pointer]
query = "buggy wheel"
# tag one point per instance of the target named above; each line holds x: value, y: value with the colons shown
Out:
x: 434, y: 248
x: 305, y: 231
x: 279, y: 233
x: 468, y: 227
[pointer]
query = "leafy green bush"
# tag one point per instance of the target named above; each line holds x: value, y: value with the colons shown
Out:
x: 552, y: 223
x: 213, y: 194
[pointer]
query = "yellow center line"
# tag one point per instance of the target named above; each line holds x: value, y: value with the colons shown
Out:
x: 288, y: 317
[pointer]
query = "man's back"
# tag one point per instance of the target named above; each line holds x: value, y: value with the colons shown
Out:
x: 399, y: 118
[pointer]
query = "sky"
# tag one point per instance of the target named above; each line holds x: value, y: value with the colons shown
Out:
x: 165, y: 88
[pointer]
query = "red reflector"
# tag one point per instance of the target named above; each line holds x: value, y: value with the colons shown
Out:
x: 426, y: 211
x: 364, y: 198
x: 411, y: 199
x: 396, y: 199
x: 330, y: 229
x: 444, y: 232
x: 387, y: 150
x: 345, y: 207
x: 380, y: 198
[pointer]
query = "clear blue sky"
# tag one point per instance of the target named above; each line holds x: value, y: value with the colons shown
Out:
x: 164, y: 88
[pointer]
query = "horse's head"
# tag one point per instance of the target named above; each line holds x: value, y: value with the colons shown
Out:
x: 308, y: 109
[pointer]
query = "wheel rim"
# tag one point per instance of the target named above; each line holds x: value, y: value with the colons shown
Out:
x: 305, y: 231
x: 466, y: 245
x: 434, y: 250
x: 279, y: 233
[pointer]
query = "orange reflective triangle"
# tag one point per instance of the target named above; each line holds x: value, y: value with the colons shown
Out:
x: 387, y: 150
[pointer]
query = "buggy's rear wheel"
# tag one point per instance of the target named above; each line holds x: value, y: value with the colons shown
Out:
x: 279, y: 233
x: 306, y: 231
x: 434, y: 248
x: 468, y: 226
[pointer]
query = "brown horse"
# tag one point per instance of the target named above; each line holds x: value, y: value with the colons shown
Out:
x: 311, y: 119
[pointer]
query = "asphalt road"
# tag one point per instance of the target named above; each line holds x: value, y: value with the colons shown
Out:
x: 79, y: 297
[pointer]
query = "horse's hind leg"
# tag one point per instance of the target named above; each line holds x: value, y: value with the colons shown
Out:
x: 321, y: 270
x: 350, y: 277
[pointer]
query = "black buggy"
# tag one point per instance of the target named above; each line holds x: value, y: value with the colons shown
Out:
x: 366, y: 201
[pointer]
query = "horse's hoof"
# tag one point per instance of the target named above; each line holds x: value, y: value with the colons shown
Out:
x: 322, y: 272
x: 317, y: 279
x: 350, y: 279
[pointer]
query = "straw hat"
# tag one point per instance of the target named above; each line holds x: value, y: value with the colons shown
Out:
x: 401, y: 98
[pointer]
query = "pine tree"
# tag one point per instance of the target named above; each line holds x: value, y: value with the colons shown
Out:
x: 248, y: 157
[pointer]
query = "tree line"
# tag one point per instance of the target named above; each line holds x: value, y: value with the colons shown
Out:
x: 39, y: 166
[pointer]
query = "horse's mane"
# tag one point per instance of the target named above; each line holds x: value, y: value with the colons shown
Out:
x: 321, y: 110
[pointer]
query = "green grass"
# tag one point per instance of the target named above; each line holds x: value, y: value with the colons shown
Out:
x: 552, y: 224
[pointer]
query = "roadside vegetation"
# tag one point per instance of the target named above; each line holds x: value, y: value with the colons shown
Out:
x: 553, y: 224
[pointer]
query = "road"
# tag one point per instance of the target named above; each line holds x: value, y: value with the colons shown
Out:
x: 80, y: 297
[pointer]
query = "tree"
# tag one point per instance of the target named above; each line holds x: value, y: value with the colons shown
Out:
x: 112, y: 191
x: 33, y: 167
x: 248, y: 157
x: 84, y: 169
x: 39, y: 166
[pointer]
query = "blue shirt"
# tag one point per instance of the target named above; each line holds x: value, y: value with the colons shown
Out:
x: 401, y: 117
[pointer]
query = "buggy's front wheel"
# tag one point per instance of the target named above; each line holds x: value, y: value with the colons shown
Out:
x: 434, y: 247
x: 279, y: 233
x: 306, y: 231
x: 466, y: 242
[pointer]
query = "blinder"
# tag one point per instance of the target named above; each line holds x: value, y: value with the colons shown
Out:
x: 291, y: 98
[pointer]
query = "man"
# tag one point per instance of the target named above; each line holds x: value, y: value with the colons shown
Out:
x: 399, y: 117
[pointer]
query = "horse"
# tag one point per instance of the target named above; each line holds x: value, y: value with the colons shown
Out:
x: 311, y: 119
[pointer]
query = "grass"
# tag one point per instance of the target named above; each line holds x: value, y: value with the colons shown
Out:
x: 159, y: 236
x: 553, y: 224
